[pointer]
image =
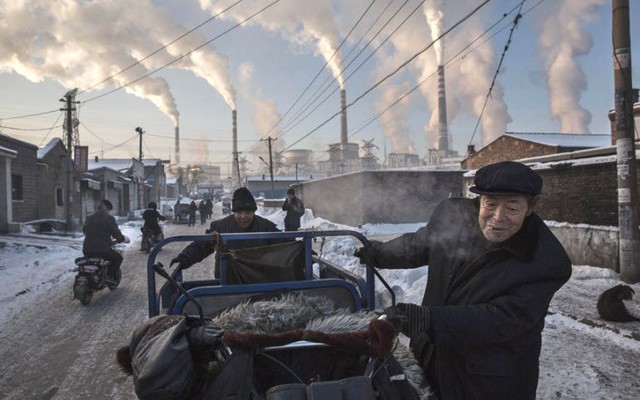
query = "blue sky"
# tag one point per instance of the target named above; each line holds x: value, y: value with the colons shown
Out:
x: 274, y: 57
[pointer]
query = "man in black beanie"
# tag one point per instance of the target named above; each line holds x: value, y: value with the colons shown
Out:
x: 241, y: 220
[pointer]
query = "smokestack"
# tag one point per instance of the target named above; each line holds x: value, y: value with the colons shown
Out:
x: 177, y: 145
x: 235, y: 174
x: 443, y: 131
x: 343, y: 118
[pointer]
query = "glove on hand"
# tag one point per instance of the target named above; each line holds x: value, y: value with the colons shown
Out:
x: 208, y: 334
x: 365, y: 254
x: 411, y: 319
x: 182, y: 260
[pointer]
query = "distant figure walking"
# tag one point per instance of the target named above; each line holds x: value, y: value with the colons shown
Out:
x: 295, y: 210
x: 192, y: 213
x: 202, y: 207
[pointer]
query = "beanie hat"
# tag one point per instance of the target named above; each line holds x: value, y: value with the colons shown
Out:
x: 243, y: 200
x: 507, y: 178
x: 291, y: 191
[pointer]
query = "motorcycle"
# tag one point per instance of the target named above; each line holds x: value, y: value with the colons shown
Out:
x: 149, y: 239
x: 91, y: 277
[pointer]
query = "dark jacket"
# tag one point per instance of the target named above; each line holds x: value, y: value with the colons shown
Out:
x: 487, y: 302
x: 295, y: 210
x: 198, y: 251
x: 151, y: 217
x: 98, y: 229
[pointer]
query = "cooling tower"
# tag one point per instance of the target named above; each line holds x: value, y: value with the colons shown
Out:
x: 443, y: 131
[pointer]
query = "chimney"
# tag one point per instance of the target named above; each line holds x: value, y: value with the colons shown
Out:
x: 443, y: 131
x: 177, y: 146
x: 471, y: 149
x: 343, y: 118
x: 235, y: 173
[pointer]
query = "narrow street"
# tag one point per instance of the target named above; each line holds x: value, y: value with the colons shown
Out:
x: 57, y: 348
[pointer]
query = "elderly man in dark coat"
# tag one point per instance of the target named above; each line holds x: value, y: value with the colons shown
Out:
x: 493, y: 268
x: 242, y: 220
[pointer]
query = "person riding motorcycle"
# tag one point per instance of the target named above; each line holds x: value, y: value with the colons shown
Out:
x: 99, y: 229
x: 151, y: 217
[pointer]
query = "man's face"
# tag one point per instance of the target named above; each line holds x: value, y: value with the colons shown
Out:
x: 501, y: 217
x: 244, y: 218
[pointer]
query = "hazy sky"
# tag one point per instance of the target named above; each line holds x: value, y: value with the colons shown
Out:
x: 283, y: 66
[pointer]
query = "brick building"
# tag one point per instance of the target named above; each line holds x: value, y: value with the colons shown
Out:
x: 515, y: 145
x: 23, y: 179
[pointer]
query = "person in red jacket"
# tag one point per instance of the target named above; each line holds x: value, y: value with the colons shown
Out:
x: 493, y: 268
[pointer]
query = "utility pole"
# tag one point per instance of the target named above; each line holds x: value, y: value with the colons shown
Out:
x: 69, y: 98
x: 269, y: 140
x: 629, y: 237
x: 140, y: 132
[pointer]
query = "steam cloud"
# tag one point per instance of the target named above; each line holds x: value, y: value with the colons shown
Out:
x: 562, y: 39
x: 79, y: 43
x: 308, y: 23
x: 263, y: 112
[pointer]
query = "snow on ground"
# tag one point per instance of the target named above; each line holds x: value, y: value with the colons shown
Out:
x: 583, y: 357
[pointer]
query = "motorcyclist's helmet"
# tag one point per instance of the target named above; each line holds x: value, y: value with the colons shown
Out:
x: 153, y: 206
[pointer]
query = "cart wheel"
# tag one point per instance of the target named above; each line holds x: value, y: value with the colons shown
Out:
x: 116, y: 278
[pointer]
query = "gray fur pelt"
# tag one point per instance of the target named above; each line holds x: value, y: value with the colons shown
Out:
x: 296, y: 311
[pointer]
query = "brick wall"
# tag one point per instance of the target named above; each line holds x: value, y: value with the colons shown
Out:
x: 506, y: 148
x: 24, y: 165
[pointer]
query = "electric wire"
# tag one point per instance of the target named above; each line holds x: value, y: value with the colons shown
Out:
x: 316, y: 76
x: 392, y: 73
x: 30, y: 115
x: 452, y: 60
x: 495, y: 76
x: 137, y: 62
x: 289, y: 127
x: 185, y: 54
x: 115, y: 146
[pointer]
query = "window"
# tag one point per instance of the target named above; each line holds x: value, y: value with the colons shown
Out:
x: 59, y: 197
x: 16, y: 187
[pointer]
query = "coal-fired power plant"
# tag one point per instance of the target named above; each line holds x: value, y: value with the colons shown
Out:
x: 177, y: 146
x: 443, y: 131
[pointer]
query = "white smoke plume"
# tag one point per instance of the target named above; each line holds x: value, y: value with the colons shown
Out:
x: 263, y: 113
x: 434, y: 15
x: 308, y: 23
x: 79, y: 44
x: 394, y: 122
x: 562, y: 40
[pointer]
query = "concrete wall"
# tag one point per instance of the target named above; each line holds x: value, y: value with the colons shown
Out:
x: 589, y: 245
x: 380, y: 196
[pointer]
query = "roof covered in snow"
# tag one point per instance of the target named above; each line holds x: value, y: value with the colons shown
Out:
x: 43, y: 151
x: 564, y: 139
x: 7, y: 151
x: 116, y: 164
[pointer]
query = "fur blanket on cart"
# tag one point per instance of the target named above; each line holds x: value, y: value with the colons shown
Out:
x: 291, y: 317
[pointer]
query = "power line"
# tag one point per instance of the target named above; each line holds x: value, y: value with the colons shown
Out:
x: 13, y: 128
x: 163, y: 47
x: 30, y: 115
x: 366, y: 92
x: 495, y: 76
x: 186, y: 54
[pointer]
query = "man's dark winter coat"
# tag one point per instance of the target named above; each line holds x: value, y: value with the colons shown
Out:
x: 151, y: 217
x: 295, y: 210
x: 98, y: 229
x: 487, y: 302
x: 197, y: 251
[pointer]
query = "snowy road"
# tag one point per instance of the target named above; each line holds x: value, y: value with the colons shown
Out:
x: 55, y: 348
